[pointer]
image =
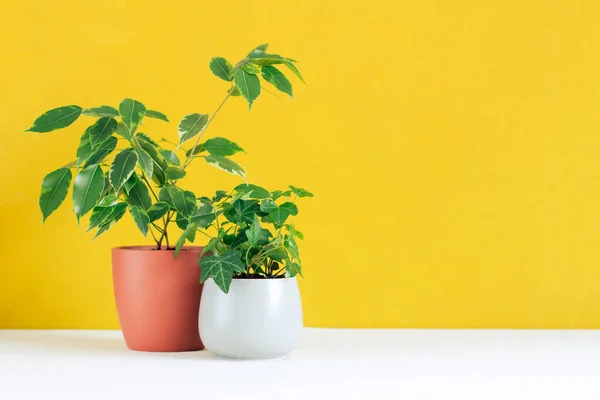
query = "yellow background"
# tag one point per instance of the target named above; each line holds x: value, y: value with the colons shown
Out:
x: 452, y: 147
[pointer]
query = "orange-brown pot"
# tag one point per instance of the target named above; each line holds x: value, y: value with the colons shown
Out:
x: 158, y: 297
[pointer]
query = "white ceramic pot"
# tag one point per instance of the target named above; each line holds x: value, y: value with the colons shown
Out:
x: 258, y: 318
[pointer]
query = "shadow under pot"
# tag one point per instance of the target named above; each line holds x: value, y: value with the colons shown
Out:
x: 258, y: 318
x: 158, y: 297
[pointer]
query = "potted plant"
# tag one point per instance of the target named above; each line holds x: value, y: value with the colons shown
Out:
x: 120, y: 170
x: 251, y: 305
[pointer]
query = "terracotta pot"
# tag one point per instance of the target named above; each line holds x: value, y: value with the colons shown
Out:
x: 158, y: 297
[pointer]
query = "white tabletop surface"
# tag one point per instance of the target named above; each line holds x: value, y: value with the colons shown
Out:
x: 335, y: 364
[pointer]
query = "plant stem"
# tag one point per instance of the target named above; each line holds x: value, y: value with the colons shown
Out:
x: 204, y: 233
x: 165, y: 222
x: 153, y: 236
x: 191, y: 156
x: 247, y: 252
x: 164, y: 233
x: 158, y: 228
x: 149, y: 186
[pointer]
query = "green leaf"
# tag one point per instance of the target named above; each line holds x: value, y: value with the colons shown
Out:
x: 70, y: 164
x: 170, y: 156
x: 146, y: 163
x: 257, y: 236
x: 293, y: 269
x: 276, y: 194
x: 250, y: 191
x: 221, y: 268
x: 210, y: 246
x: 235, y: 92
x: 132, y: 112
x: 277, y: 79
x: 102, y: 214
x: 300, y: 192
x: 294, y: 232
x: 191, y: 125
x: 184, y: 202
x: 249, y: 86
x: 292, y: 247
x: 195, y: 150
x: 146, y: 138
x: 220, y: 195
x: 221, y: 68
x: 122, y: 131
x: 188, y: 234
x: 166, y: 197
x: 122, y: 168
x: 101, y: 230
x: 182, y: 221
x: 216, y: 244
x: 226, y: 165
x: 290, y: 207
x: 54, y: 191
x: 276, y: 253
x: 102, y: 111
x: 262, y: 47
x: 221, y: 147
x: 111, y: 220
x: 56, y: 118
x: 107, y: 147
x: 138, y: 195
x: 160, y: 164
x: 277, y: 216
x: 293, y: 68
x: 141, y: 219
x: 204, y: 215
x: 87, y: 189
x: 240, y: 238
x: 262, y: 58
x: 174, y: 173
x: 157, y: 210
x: 108, y: 200
x: 102, y: 130
x: 242, y: 211
x: 251, y: 69
x: 156, y: 115
x: 204, y: 200
x: 268, y: 205
x: 99, y: 214
x: 131, y: 182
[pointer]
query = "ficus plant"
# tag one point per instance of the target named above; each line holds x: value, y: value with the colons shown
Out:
x: 250, y: 234
x: 119, y: 169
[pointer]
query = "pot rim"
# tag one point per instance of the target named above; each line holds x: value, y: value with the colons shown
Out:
x: 145, y: 248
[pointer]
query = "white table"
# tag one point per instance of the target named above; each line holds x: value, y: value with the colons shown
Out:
x: 329, y: 364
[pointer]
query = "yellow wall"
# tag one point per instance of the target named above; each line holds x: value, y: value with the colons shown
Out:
x: 452, y: 145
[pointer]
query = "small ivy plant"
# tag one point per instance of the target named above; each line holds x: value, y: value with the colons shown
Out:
x: 118, y: 168
x: 250, y: 235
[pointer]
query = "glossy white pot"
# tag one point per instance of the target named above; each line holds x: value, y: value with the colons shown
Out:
x: 258, y: 318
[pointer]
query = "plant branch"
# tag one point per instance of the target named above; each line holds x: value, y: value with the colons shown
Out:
x: 158, y: 228
x: 149, y: 186
x: 190, y: 157
x: 204, y: 233
x: 165, y: 222
x: 164, y: 233
x: 152, y: 232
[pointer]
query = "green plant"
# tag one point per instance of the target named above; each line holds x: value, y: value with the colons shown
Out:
x: 118, y: 168
x: 250, y: 236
